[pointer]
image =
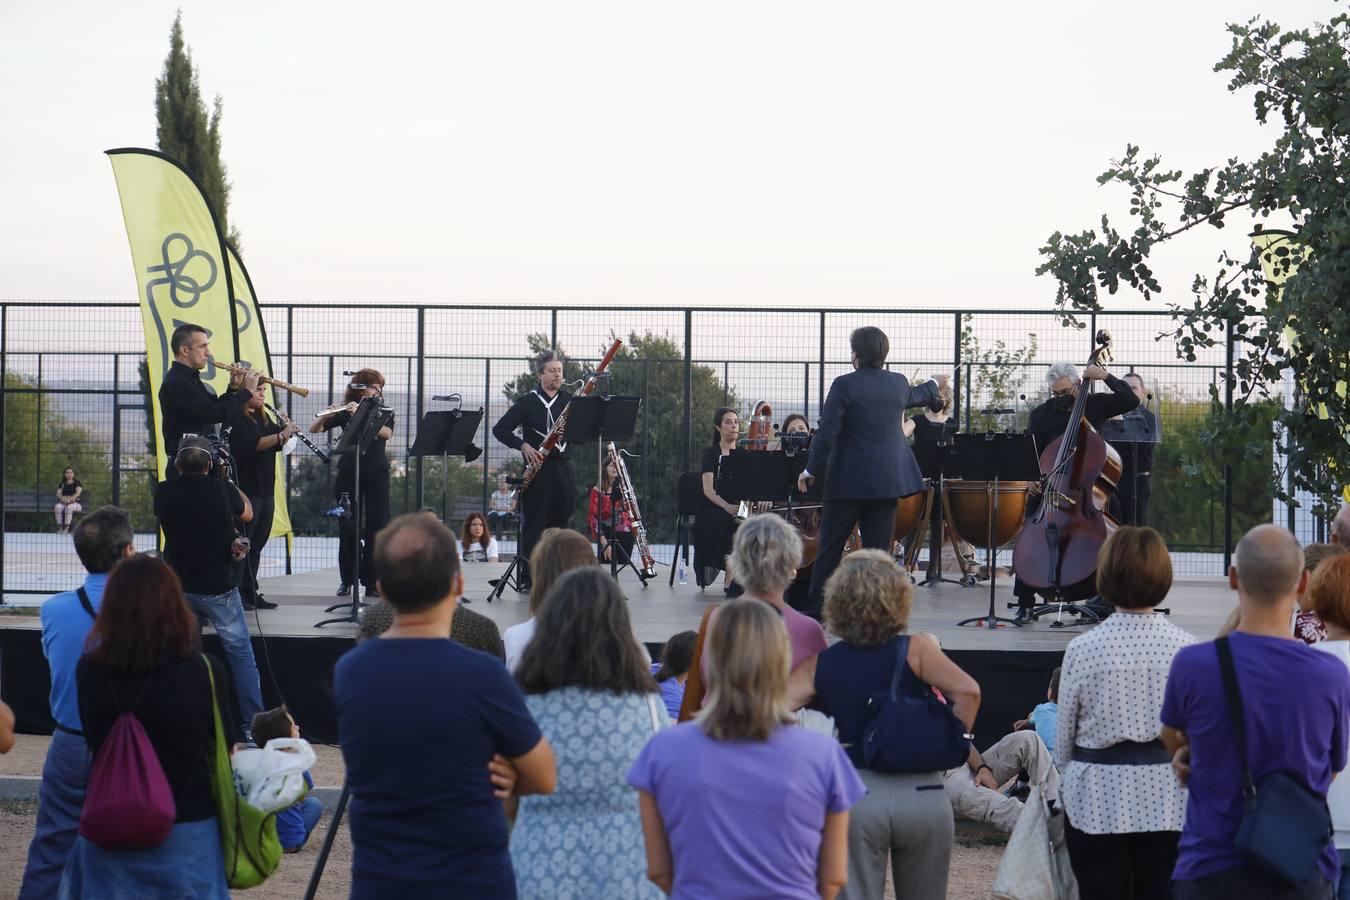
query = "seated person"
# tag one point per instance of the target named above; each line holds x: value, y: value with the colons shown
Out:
x: 501, y: 506
x: 1044, y: 718
x: 608, y: 517
x: 476, y: 543
x: 296, y: 824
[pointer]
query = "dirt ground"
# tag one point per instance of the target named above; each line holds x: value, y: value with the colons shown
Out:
x: 974, y: 858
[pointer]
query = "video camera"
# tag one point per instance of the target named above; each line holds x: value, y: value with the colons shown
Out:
x: 217, y: 449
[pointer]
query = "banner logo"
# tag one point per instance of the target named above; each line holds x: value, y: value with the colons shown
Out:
x: 185, y: 289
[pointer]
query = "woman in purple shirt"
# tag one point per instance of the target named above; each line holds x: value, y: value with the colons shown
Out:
x: 740, y: 803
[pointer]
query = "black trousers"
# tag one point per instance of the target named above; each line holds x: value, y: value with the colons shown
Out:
x: 259, y: 530
x: 1134, y: 509
x: 876, y: 522
x: 547, y: 504
x: 373, y: 500
x: 1123, y: 866
x: 1242, y: 883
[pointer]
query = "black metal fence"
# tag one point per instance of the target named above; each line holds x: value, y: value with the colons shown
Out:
x: 74, y: 395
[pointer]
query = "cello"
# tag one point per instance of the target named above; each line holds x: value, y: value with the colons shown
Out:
x: 1057, y: 550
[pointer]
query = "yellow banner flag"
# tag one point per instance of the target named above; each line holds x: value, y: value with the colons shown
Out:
x: 184, y: 273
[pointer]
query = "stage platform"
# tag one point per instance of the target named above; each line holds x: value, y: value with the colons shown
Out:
x: 296, y: 659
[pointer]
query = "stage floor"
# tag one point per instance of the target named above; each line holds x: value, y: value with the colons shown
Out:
x: 660, y: 609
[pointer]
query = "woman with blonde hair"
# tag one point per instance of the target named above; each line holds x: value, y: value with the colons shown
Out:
x: 904, y: 816
x: 1329, y: 597
x: 559, y: 550
x: 740, y: 803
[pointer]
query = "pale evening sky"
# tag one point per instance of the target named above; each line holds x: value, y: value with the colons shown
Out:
x: 898, y: 154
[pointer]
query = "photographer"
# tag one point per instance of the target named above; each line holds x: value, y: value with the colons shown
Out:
x: 197, y: 513
x: 254, y: 442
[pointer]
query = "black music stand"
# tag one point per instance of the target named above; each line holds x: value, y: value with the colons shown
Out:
x: 371, y: 415
x: 993, y: 458
x: 446, y: 433
x: 1132, y: 430
x: 932, y: 463
x: 605, y: 419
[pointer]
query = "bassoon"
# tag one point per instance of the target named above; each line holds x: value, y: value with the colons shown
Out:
x: 555, y: 435
x: 629, y: 497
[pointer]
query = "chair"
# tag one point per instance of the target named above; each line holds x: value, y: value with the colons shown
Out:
x: 687, y: 500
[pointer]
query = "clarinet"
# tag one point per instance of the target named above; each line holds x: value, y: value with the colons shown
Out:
x: 630, y: 500
x: 281, y: 416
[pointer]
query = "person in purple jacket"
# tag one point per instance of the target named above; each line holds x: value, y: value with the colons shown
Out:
x: 741, y: 803
x: 295, y: 824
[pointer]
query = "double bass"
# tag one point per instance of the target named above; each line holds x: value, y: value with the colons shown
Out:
x: 1057, y: 550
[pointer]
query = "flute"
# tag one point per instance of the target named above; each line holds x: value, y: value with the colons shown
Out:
x: 236, y: 369
x: 304, y: 439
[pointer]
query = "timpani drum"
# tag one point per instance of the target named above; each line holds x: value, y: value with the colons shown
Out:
x: 969, y: 506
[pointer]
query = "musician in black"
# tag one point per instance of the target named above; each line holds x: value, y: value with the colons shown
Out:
x: 1051, y: 419
x: 373, y: 494
x: 187, y: 405
x: 255, y: 441
x: 552, y: 495
x: 1136, y: 456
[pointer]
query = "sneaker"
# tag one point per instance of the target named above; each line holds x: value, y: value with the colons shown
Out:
x: 344, y: 589
x: 264, y: 604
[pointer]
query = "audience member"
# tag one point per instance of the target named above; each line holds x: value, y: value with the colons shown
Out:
x: 672, y: 671
x: 6, y: 728
x: 68, y: 506
x: 1298, y: 731
x: 421, y: 722
x: 295, y: 824
x: 1340, y: 526
x: 197, y: 513
x: 739, y: 803
x: 468, y: 628
x: 143, y: 657
x: 1044, y: 717
x: 583, y: 677
x: 1308, y: 628
x: 1124, y: 805
x: 501, y: 507
x: 903, y: 816
x: 101, y: 539
x: 559, y: 550
x: 476, y: 543
x: 1329, y: 592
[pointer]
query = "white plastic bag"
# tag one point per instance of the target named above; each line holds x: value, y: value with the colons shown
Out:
x: 273, y: 778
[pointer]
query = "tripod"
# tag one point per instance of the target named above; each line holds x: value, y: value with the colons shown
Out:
x: 510, y: 578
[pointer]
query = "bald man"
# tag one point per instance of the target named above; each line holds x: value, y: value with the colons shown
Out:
x: 1296, y: 705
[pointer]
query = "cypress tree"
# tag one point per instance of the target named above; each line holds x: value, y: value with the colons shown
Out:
x: 187, y: 133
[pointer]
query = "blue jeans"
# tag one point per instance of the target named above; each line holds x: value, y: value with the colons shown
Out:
x: 225, y: 612
x: 65, y: 774
x: 190, y: 863
x: 1343, y: 883
x: 311, y: 810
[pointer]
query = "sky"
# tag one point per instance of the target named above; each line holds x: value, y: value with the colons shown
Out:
x: 598, y: 152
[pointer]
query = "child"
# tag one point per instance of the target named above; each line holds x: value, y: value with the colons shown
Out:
x: 294, y: 825
x: 673, y: 670
x: 1044, y: 718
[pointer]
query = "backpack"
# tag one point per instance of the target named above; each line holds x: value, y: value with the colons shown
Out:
x: 128, y: 804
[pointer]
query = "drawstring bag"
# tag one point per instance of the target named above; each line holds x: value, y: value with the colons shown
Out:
x: 248, y: 836
x: 128, y: 804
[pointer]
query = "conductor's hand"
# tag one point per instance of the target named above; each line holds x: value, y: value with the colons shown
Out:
x: 804, y: 482
x: 1094, y: 372
x: 532, y: 456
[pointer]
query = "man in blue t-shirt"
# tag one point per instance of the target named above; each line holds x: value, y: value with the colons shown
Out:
x: 101, y: 539
x: 1296, y: 714
x: 421, y: 719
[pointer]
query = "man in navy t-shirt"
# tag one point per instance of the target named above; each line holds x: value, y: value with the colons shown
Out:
x: 1296, y: 713
x: 420, y: 720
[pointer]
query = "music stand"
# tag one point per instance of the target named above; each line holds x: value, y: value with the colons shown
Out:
x: 931, y: 461
x: 993, y: 458
x: 446, y: 433
x: 371, y: 415
x: 1134, y: 428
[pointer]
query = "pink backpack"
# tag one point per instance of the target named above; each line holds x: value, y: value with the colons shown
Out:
x: 128, y: 804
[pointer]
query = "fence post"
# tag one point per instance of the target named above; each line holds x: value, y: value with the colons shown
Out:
x: 487, y: 418
x: 820, y: 383
x: 553, y: 339
x: 956, y: 374
x: 290, y: 414
x: 1227, y: 467
x: 4, y: 402
x: 37, y: 438
x: 117, y: 433
x: 688, y: 389
x: 421, y: 388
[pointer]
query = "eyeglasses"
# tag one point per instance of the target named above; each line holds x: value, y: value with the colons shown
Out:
x: 1066, y: 392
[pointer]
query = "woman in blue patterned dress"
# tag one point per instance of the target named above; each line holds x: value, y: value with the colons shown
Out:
x: 587, y: 684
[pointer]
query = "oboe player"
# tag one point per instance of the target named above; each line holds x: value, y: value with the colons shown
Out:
x: 549, y: 501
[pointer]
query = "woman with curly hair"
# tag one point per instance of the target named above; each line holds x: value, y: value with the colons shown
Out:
x: 905, y: 816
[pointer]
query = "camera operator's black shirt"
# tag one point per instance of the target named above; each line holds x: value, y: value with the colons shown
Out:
x: 257, y: 469
x: 197, y: 514
x: 188, y: 406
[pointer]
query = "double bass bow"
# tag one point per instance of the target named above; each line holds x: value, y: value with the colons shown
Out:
x: 1058, y: 548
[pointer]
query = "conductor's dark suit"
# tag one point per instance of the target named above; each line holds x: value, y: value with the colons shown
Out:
x: 867, y: 463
